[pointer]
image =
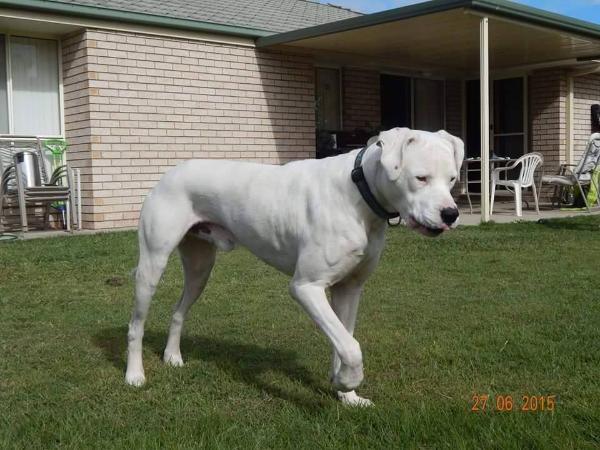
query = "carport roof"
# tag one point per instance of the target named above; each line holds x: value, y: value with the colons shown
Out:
x: 444, y: 35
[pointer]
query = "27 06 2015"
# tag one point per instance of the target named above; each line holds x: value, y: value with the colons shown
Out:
x: 501, y: 403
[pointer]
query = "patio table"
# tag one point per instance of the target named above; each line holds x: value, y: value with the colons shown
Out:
x: 468, y: 168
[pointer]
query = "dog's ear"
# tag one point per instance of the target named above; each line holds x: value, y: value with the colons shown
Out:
x: 459, y: 149
x: 392, y: 143
x: 372, y: 140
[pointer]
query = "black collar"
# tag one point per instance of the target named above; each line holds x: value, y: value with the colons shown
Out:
x: 358, y: 177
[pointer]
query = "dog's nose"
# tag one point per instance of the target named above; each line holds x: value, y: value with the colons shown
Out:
x: 449, y: 215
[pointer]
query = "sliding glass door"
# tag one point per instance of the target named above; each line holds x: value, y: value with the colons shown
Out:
x: 508, y: 114
x: 508, y: 118
x: 412, y: 102
x: 396, y: 103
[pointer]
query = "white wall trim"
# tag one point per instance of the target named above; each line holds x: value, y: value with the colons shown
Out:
x: 9, y: 91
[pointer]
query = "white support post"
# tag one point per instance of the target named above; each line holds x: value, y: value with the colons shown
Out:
x: 484, y: 77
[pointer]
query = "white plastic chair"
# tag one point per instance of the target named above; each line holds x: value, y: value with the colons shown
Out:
x: 528, y: 163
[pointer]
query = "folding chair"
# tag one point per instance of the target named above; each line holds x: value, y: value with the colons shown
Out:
x: 580, y: 174
x: 13, y: 182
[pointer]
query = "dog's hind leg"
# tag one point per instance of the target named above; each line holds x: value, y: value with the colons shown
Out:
x: 148, y: 273
x: 197, y: 258
x: 159, y: 234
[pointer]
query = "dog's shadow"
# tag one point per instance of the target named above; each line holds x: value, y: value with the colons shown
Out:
x: 244, y: 362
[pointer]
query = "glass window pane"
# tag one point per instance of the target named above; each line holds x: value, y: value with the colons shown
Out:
x: 395, y: 101
x: 328, y: 99
x: 508, y: 106
x: 473, y: 142
x: 3, y: 97
x: 508, y: 146
x: 34, y: 71
x: 429, y: 104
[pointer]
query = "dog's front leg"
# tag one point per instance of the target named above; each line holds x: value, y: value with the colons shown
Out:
x: 345, y: 297
x: 313, y: 299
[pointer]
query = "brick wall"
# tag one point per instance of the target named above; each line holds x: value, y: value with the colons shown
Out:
x: 77, y: 111
x: 586, y: 92
x: 136, y: 105
x: 548, y: 115
x: 361, y: 104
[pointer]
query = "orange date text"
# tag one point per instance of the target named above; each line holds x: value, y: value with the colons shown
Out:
x: 508, y: 402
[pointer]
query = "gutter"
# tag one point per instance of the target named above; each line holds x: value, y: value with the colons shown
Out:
x: 537, y: 16
x: 94, y: 12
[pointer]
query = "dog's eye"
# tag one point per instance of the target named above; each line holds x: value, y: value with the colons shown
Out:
x: 452, y: 179
x: 422, y: 179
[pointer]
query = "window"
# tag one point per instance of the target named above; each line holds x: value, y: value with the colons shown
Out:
x: 429, y: 104
x: 508, y: 114
x: 328, y: 99
x: 395, y: 101
x: 412, y: 102
x: 29, y: 86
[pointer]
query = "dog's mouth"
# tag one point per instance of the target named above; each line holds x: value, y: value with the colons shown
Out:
x: 424, y: 229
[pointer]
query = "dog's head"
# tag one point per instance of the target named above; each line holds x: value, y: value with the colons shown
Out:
x: 419, y: 170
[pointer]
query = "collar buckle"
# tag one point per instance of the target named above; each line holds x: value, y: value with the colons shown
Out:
x: 357, y: 174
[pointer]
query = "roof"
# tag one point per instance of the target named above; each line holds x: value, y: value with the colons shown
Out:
x: 499, y: 8
x: 443, y: 36
x: 242, y: 17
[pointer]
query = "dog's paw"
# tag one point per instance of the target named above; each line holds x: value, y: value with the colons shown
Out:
x: 173, y: 359
x: 348, y: 378
x: 135, y: 379
x: 353, y: 399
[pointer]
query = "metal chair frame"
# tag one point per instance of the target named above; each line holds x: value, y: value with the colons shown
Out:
x: 51, y: 190
x: 571, y: 175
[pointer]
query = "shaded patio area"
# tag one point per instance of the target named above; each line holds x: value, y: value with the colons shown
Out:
x: 504, y: 212
x: 512, y: 64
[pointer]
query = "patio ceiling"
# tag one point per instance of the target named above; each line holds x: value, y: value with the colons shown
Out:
x: 444, y: 36
x: 466, y: 36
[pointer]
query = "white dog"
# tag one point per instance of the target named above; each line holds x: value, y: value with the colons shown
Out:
x: 321, y: 221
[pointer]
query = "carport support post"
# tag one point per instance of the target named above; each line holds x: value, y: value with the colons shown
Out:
x: 484, y: 77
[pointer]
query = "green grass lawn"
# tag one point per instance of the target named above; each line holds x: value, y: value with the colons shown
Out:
x: 496, y: 310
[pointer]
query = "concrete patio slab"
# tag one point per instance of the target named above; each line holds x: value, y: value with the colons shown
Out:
x: 504, y: 212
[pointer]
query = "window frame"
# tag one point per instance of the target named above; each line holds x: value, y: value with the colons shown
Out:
x: 502, y: 75
x: 9, y: 90
x: 443, y: 105
x: 341, y: 92
x: 414, y: 76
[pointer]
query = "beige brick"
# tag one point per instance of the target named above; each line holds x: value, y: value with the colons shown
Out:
x: 136, y: 105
